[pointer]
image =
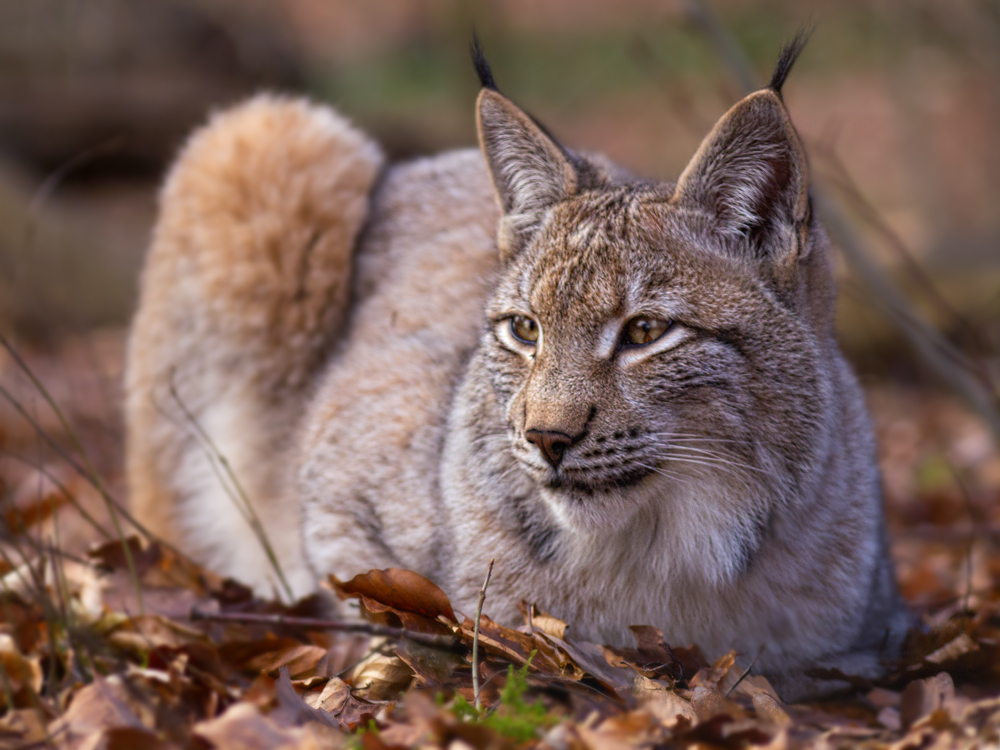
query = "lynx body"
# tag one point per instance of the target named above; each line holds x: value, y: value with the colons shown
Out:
x: 626, y: 392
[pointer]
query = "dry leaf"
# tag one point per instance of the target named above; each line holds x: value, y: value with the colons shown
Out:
x: 923, y: 697
x: 20, y: 672
x: 400, y: 589
x: 960, y: 646
x: 243, y: 727
x: 331, y: 698
x: 103, y: 704
x: 769, y: 709
x: 380, y: 677
x: 714, y: 676
x: 292, y: 710
x: 708, y: 704
x: 664, y: 704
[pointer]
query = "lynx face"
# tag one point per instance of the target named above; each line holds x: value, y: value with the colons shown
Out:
x: 647, y: 339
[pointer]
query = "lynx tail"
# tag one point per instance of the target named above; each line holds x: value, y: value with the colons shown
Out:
x: 245, y: 290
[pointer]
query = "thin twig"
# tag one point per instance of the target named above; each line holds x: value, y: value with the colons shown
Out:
x: 311, y: 623
x: 973, y: 533
x: 475, y: 638
x: 746, y: 671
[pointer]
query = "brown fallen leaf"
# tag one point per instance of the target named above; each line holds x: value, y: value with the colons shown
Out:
x: 292, y: 709
x: 715, y: 676
x: 770, y: 710
x: 432, y: 666
x: 244, y: 727
x: 708, y: 704
x: 269, y: 654
x: 22, y: 674
x: 541, y: 621
x: 400, y: 589
x: 955, y: 648
x: 923, y: 697
x: 507, y: 643
x: 127, y: 738
x: 144, y: 633
x: 627, y: 731
x: 663, y: 703
x: 380, y: 677
x: 103, y: 704
x: 27, y: 725
x: 331, y: 698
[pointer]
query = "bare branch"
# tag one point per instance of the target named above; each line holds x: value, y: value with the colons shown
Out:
x: 447, y: 642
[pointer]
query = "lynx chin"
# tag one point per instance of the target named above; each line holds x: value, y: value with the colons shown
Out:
x: 626, y: 391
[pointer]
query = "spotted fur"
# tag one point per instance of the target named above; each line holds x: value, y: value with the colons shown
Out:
x: 718, y: 482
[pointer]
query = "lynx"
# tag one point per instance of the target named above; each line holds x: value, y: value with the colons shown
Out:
x: 626, y: 392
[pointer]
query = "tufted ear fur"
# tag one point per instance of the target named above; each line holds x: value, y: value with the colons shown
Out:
x: 750, y: 176
x: 530, y: 171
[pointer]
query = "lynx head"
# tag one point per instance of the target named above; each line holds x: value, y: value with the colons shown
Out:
x: 648, y: 335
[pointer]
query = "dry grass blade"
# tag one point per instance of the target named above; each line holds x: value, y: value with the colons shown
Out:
x: 233, y: 488
x: 475, y: 638
x: 90, y: 472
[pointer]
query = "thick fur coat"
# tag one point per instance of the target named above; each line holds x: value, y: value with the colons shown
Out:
x: 626, y: 392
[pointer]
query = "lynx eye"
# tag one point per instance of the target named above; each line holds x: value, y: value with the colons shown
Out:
x: 524, y: 329
x: 642, y: 331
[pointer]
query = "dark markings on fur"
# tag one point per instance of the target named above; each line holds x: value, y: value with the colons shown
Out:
x: 763, y: 527
x: 540, y: 536
x: 370, y: 522
x: 789, y: 54
x: 731, y: 337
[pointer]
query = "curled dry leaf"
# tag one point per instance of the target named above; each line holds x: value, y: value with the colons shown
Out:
x: 380, y: 677
x: 663, y: 703
x: 331, y: 698
x: 402, y: 590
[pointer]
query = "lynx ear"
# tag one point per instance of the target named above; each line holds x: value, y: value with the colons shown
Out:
x: 530, y: 171
x: 750, y: 175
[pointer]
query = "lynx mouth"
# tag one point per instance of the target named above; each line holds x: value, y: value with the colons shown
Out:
x: 588, y: 482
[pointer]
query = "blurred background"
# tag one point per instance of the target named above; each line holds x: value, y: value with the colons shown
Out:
x: 898, y: 104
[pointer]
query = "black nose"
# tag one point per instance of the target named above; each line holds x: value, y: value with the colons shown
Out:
x: 552, y: 444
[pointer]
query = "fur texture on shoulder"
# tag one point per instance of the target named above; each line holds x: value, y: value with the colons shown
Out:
x: 244, y: 292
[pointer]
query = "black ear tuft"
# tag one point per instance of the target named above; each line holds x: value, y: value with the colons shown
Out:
x: 789, y: 55
x: 481, y: 65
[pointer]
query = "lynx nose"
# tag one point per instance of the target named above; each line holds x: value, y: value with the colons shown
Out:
x: 552, y: 444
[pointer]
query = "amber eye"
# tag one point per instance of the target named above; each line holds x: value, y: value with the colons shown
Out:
x: 642, y: 331
x: 524, y: 329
